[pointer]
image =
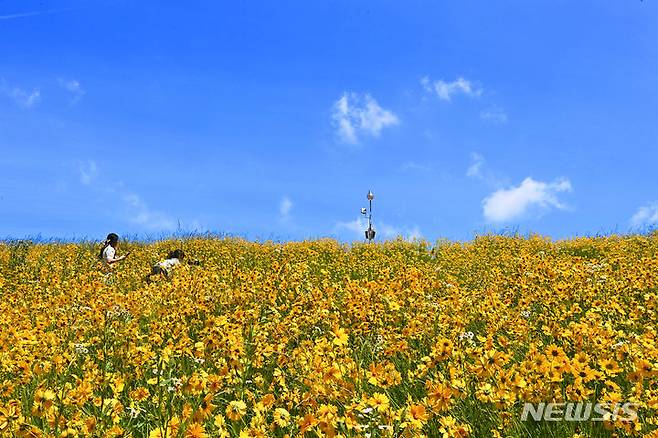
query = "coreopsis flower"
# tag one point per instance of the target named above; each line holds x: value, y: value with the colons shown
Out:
x: 332, y: 373
x: 610, y: 367
x: 268, y: 400
x: 417, y: 416
x: 485, y: 393
x: 340, y: 336
x: 236, y: 410
x: 281, y: 417
x: 195, y: 430
x: 379, y: 401
x: 307, y: 422
x: 449, y: 428
x: 156, y: 433
x: 440, y: 396
x: 139, y: 394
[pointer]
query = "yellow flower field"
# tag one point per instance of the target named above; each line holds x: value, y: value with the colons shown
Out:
x: 324, y: 339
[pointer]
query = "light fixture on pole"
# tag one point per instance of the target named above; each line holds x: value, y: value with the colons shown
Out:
x: 370, y: 232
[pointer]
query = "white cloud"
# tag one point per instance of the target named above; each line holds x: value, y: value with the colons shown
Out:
x: 413, y: 166
x: 495, y: 115
x: 23, y: 98
x: 355, y: 114
x: 72, y: 86
x: 88, y: 171
x: 646, y: 215
x: 358, y: 226
x: 135, y: 208
x: 28, y: 14
x: 446, y: 90
x: 285, y: 206
x: 475, y: 168
x: 391, y: 232
x: 507, y: 204
x: 144, y: 216
x: 414, y: 234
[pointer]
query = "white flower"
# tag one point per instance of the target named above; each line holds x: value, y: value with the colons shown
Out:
x: 134, y: 411
x: 80, y: 349
x: 617, y: 345
x: 466, y: 335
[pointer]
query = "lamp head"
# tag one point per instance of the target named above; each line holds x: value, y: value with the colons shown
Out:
x: 370, y: 196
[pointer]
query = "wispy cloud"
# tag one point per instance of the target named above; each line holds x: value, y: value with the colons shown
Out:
x: 478, y: 169
x: 447, y: 90
x: 145, y: 216
x: 23, y: 98
x: 136, y: 209
x: 29, y: 14
x: 358, y: 226
x: 512, y: 203
x: 646, y: 215
x: 284, y: 207
x: 412, y: 166
x: 88, y: 171
x: 73, y: 87
x: 495, y: 115
x: 475, y: 168
x: 359, y: 114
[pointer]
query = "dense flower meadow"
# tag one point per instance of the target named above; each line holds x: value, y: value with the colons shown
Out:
x: 325, y: 339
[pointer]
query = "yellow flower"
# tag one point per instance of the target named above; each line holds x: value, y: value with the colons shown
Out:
x: 236, y: 410
x: 417, y: 415
x: 609, y: 366
x: 379, y: 401
x: 195, y: 430
x: 340, y: 336
x: 281, y: 417
x: 156, y: 433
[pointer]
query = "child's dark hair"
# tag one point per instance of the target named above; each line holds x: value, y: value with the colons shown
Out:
x: 177, y: 254
x: 111, y: 239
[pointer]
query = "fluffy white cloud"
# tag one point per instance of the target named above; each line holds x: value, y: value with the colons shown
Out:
x: 507, y: 204
x: 646, y: 215
x: 446, y: 90
x: 475, y: 168
x: 88, y: 171
x: 358, y: 226
x: 495, y: 115
x: 23, y: 98
x: 355, y: 114
x: 284, y: 207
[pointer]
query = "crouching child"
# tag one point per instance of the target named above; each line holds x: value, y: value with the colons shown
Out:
x: 165, y: 267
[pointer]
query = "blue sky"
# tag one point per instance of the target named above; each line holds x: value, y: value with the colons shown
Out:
x: 274, y: 119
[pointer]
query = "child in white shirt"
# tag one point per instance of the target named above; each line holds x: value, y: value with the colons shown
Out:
x: 165, y: 267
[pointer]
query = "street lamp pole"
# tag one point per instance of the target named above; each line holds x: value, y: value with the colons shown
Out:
x: 370, y: 232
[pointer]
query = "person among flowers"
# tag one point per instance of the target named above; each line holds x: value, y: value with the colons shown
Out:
x: 166, y: 266
x: 108, y: 253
